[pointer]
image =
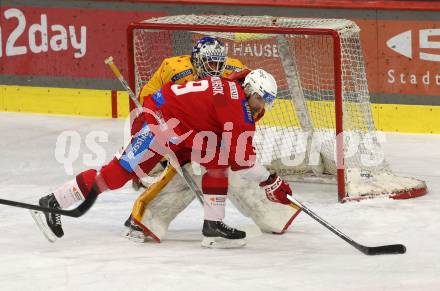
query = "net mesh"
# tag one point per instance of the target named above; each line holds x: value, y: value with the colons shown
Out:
x: 298, y: 135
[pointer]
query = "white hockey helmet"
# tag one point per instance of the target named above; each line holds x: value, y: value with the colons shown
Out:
x: 261, y: 82
x: 209, y: 57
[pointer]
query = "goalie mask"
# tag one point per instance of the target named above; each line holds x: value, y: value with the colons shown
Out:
x: 263, y: 84
x: 209, y: 57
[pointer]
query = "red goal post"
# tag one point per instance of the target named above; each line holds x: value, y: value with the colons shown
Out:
x: 327, y: 79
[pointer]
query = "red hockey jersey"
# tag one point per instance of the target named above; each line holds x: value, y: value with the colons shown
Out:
x: 213, y: 107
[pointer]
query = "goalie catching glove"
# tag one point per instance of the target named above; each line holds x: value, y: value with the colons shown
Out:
x: 276, y: 189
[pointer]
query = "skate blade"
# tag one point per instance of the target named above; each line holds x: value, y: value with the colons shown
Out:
x: 40, y: 221
x: 222, y: 243
x: 134, y: 235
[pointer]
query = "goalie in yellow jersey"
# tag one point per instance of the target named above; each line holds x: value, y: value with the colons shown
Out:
x: 162, y: 201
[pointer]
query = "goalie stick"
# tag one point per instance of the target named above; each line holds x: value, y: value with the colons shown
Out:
x: 186, y: 176
x: 379, y: 250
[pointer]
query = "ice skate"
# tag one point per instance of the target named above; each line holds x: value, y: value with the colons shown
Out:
x: 50, y: 224
x: 216, y: 234
x: 134, y: 232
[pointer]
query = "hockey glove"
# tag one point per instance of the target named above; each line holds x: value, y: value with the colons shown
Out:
x: 276, y: 189
x: 239, y: 76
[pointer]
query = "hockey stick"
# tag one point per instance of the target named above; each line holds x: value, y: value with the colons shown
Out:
x: 83, y: 207
x: 75, y: 212
x: 186, y: 176
x: 72, y: 213
x: 380, y: 250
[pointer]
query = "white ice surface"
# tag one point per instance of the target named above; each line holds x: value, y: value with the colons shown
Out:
x: 93, y: 256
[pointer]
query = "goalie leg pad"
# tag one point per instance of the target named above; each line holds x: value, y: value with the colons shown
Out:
x: 251, y: 200
x: 160, y: 211
x: 151, y: 192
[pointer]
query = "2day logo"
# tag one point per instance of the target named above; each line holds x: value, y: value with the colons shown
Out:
x: 403, y: 44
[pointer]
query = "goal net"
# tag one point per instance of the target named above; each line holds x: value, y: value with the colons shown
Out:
x: 321, y: 127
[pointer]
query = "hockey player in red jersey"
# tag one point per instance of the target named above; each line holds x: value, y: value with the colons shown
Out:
x: 211, y: 122
x: 163, y: 200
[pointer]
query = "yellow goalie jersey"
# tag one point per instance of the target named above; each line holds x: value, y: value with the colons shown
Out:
x: 180, y: 70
